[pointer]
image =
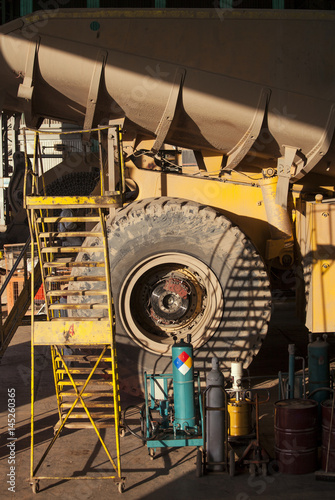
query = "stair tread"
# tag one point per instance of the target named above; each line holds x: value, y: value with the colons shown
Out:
x: 88, y: 425
x: 78, y: 306
x: 83, y: 371
x: 83, y: 218
x: 70, y: 277
x: 89, y: 404
x: 80, y: 319
x: 60, y: 293
x: 83, y: 415
x: 83, y: 358
x: 70, y: 234
x: 82, y: 381
x: 86, y: 394
x: 74, y: 249
x: 74, y: 264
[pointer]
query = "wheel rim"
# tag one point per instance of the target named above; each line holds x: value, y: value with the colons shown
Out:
x: 168, y: 296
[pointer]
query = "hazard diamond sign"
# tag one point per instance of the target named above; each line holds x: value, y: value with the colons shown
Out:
x: 183, y: 362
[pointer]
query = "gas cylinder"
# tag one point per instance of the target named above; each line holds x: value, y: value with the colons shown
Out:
x: 215, y: 419
x: 318, y: 367
x: 183, y: 386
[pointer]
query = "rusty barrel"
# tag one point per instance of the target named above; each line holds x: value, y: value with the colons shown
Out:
x: 328, y: 436
x: 296, y: 435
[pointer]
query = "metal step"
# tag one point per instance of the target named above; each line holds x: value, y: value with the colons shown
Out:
x: 89, y: 404
x: 78, y: 320
x: 53, y: 219
x: 66, y: 278
x: 94, y: 415
x: 83, y: 371
x: 71, y: 264
x: 83, y: 358
x: 70, y: 234
x: 68, y: 293
x: 78, y: 306
x: 88, y: 425
x: 83, y: 381
x: 58, y: 249
x: 86, y: 394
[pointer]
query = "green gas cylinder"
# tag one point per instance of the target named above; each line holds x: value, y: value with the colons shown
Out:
x: 183, y: 386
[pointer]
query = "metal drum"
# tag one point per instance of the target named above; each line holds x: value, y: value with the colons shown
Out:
x: 328, y: 436
x: 296, y: 435
x: 239, y: 417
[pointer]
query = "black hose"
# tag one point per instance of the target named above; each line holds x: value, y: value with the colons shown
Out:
x: 142, y: 438
x: 321, y: 389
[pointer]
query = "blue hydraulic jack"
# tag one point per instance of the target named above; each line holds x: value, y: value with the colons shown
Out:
x: 174, y: 421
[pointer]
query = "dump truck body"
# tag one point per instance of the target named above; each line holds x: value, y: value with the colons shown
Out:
x: 189, y: 77
x: 252, y: 94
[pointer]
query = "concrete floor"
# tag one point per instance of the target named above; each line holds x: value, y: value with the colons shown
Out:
x: 171, y: 475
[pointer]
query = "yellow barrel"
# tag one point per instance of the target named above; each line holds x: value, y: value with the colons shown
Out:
x: 239, y: 417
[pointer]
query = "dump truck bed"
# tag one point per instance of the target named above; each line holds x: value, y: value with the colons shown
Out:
x: 242, y: 83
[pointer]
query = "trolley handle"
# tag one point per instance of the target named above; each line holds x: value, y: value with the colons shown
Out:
x: 252, y: 398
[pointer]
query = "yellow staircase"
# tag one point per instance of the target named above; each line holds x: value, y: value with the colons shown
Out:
x: 82, y: 345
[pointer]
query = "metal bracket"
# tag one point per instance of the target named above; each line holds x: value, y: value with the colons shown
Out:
x: 284, y: 173
x: 93, y: 92
x: 26, y: 88
x: 236, y: 155
x: 320, y: 149
x: 169, y: 111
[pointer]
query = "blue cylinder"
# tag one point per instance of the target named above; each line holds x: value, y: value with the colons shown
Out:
x: 215, y: 419
x: 318, y: 368
x: 183, y: 386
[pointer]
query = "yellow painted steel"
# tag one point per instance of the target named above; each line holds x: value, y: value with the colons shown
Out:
x: 71, y: 201
x: 71, y: 332
x: 78, y: 397
x: 32, y: 356
x: 55, y: 365
x: 239, y: 417
x: 247, y: 200
x: 236, y: 196
x: 315, y: 224
x: 121, y: 162
x: 98, y: 381
x: 112, y: 324
x: 102, y: 177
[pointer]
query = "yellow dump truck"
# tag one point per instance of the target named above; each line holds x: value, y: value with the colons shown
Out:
x: 228, y: 123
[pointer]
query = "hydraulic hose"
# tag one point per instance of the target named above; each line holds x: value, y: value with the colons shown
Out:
x: 142, y: 438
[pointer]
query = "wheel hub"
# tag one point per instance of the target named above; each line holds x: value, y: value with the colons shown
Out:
x: 168, y: 296
x: 170, y: 299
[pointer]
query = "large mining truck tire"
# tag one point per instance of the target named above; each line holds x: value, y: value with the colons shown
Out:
x: 181, y: 268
